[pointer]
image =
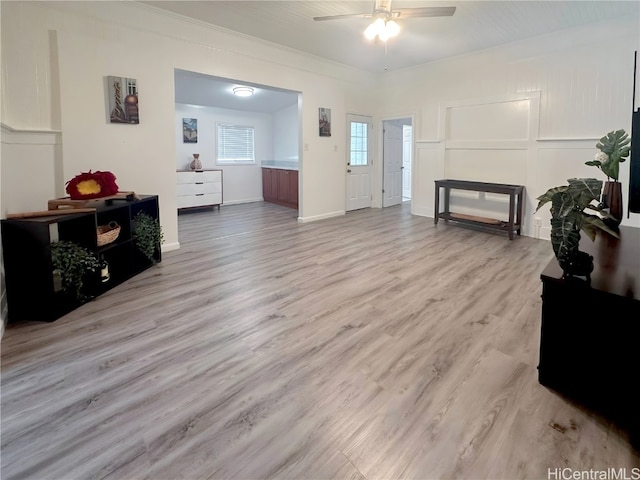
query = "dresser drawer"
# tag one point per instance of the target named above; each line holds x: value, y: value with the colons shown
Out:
x: 186, y: 201
x: 204, y: 176
x: 198, y: 188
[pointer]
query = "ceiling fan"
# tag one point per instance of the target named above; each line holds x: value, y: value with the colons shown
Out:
x: 384, y: 25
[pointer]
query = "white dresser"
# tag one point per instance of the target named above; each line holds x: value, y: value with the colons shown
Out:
x: 199, y: 188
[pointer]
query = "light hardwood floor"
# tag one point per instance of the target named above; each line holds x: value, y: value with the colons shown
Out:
x: 369, y: 346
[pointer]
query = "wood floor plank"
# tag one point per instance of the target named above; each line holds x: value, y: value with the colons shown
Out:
x: 369, y: 346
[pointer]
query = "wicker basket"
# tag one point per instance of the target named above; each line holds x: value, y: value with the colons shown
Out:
x: 108, y: 233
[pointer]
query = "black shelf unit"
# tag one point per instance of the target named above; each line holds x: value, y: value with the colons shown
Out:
x: 32, y: 293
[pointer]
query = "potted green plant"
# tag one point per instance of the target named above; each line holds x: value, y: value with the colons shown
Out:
x: 72, y: 263
x: 147, y: 234
x: 568, y: 218
x: 614, y: 149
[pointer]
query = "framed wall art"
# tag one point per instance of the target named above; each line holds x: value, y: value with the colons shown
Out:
x: 123, y: 100
x: 190, y: 130
x: 325, y: 121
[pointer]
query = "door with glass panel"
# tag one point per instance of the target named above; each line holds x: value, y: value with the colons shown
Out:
x: 358, y: 168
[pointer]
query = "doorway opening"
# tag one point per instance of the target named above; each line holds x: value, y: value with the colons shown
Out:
x: 236, y: 139
x: 397, y: 158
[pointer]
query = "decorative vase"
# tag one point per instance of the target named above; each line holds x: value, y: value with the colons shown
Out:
x: 579, y: 264
x: 612, y: 198
x: 196, y: 164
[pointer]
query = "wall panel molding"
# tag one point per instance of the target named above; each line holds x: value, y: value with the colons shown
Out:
x: 12, y: 136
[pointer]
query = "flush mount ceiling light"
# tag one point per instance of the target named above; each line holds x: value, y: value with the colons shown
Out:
x: 243, y: 91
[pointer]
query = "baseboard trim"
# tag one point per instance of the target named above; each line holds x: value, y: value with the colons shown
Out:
x: 321, y: 217
x: 238, y: 202
x: 422, y: 211
x: 167, y: 247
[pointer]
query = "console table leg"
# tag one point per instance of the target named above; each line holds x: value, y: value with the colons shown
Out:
x: 519, y: 213
x: 447, y: 192
x: 512, y: 199
x: 436, y: 210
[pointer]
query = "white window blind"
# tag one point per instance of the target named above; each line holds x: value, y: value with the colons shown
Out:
x: 235, y: 144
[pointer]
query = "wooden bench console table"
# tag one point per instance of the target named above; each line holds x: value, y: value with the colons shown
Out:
x: 515, y: 193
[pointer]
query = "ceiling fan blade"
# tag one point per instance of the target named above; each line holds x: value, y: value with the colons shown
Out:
x: 424, y: 12
x: 347, y: 15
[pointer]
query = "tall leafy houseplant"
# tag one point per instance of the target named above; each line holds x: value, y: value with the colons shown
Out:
x: 614, y: 148
x: 147, y: 234
x: 568, y: 218
x: 73, y: 262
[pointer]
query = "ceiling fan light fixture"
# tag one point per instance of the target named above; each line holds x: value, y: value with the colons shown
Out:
x: 243, y: 91
x: 392, y: 28
x: 374, y: 29
x: 383, y: 29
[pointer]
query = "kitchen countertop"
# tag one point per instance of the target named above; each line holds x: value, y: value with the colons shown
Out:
x: 282, y: 165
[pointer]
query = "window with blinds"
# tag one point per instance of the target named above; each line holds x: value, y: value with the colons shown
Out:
x: 235, y: 144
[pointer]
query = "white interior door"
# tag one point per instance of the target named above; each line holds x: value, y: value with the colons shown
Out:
x: 392, y: 160
x: 359, y: 151
x: 407, y: 152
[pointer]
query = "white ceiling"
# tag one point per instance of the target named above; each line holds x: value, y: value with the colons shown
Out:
x: 198, y: 89
x: 476, y: 25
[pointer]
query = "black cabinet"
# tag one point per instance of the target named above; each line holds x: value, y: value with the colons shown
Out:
x: 33, y: 291
x: 590, y: 330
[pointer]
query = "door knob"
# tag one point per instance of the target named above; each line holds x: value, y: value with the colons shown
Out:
x: 348, y: 170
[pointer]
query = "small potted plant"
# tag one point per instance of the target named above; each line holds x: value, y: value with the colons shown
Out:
x: 72, y: 263
x: 568, y: 217
x: 614, y: 149
x: 147, y: 234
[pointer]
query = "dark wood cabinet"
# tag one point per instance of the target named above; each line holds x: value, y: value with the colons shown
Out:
x: 284, y: 189
x: 590, y: 330
x: 280, y: 186
x: 267, y: 189
x: 275, y: 182
x: 32, y: 290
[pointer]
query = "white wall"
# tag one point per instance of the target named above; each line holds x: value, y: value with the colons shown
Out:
x: 53, y: 79
x: 241, y: 183
x: 286, y: 134
x: 583, y: 79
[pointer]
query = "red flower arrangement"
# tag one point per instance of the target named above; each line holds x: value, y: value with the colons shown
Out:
x: 90, y: 185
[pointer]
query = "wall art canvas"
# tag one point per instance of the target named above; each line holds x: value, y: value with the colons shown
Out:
x: 190, y: 130
x: 325, y: 122
x: 123, y: 100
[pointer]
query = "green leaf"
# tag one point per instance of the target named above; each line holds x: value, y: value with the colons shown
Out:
x: 565, y: 237
x: 593, y: 223
x: 617, y: 145
x: 584, y: 190
x: 548, y: 196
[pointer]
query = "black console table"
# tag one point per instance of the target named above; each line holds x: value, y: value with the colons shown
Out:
x: 589, y: 346
x: 515, y: 193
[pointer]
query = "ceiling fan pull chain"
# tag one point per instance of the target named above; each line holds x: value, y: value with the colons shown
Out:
x: 385, y: 56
